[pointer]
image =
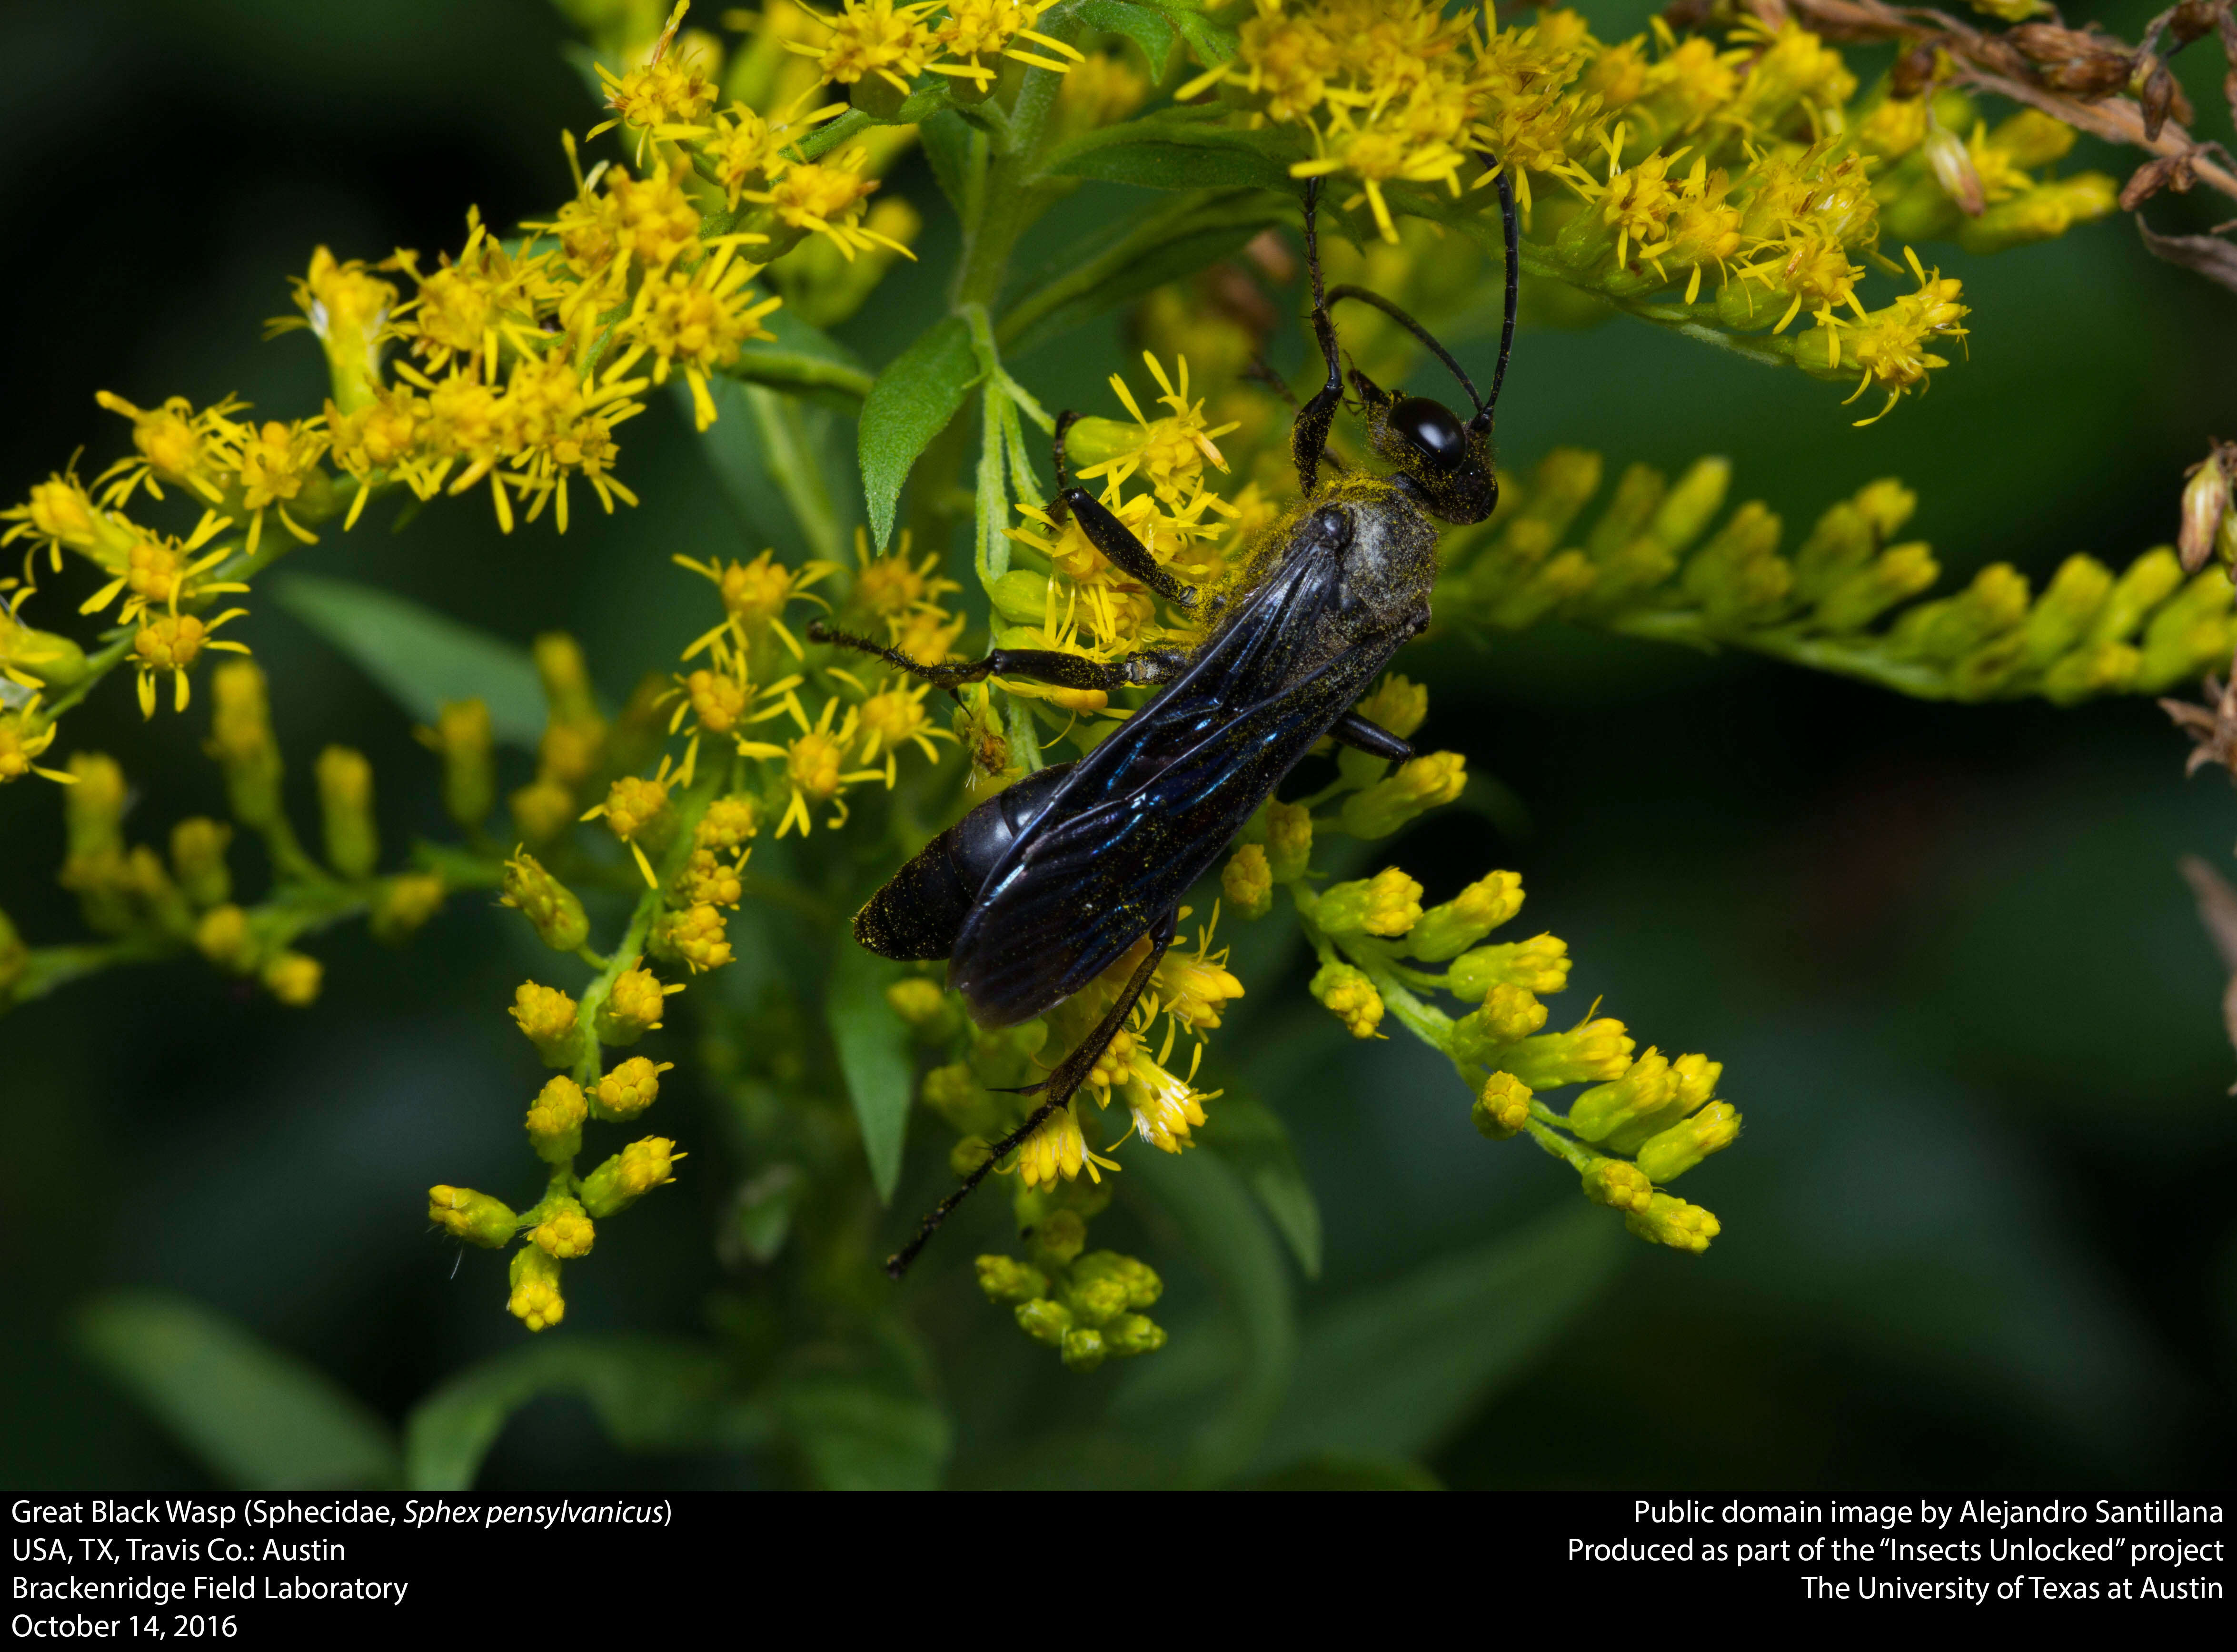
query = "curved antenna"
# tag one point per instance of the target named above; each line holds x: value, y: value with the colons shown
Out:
x: 1506, y: 184
x: 1338, y: 293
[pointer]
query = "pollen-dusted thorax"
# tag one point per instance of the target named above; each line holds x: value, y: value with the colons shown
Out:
x: 1445, y: 464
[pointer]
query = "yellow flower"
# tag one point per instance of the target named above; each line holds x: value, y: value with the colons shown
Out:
x: 874, y: 38
x: 894, y: 718
x: 59, y: 512
x: 24, y: 734
x: 726, y: 824
x: 1056, y: 1148
x: 474, y: 1217
x: 696, y: 320
x: 666, y: 96
x: 815, y: 766
x: 173, y: 642
x: 754, y: 595
x: 631, y: 1086
x: 1171, y: 452
x: 1191, y: 987
x: 175, y: 444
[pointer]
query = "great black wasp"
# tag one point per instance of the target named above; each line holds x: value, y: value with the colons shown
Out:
x: 1038, y: 891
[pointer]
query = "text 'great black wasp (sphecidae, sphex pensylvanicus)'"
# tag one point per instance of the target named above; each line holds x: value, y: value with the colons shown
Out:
x: 1040, y: 889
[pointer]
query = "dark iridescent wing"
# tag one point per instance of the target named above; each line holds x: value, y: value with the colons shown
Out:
x: 1147, y: 811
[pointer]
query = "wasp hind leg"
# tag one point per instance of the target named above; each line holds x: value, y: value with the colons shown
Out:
x: 1050, y: 666
x: 1309, y: 435
x: 1055, y: 1091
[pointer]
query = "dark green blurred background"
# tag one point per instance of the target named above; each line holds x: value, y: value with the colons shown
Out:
x: 1979, y: 1229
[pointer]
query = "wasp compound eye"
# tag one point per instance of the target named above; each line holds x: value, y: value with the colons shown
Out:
x: 1430, y: 428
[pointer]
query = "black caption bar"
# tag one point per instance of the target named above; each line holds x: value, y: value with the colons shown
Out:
x: 273, y: 1569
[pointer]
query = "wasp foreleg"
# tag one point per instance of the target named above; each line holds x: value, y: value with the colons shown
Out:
x: 1106, y: 533
x: 1309, y: 435
x: 1051, y: 666
x: 1055, y: 1091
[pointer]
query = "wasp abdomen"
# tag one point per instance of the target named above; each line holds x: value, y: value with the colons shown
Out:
x: 919, y: 913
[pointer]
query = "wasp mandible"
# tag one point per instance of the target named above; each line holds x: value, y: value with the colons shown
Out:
x: 1038, y: 891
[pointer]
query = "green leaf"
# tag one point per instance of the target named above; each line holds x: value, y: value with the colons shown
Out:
x: 1117, y: 266
x: 1174, y: 150
x: 857, y: 1436
x: 422, y: 658
x: 911, y: 403
x: 257, y: 1418
x: 1334, y: 1473
x: 1251, y: 1137
x: 1206, y: 1200
x: 1145, y: 26
x: 1393, y: 1371
x: 956, y: 151
x: 649, y: 1396
x: 783, y: 461
x: 1213, y: 42
x: 873, y: 1055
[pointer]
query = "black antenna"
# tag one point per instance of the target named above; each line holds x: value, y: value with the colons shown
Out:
x: 1506, y: 184
x: 1338, y: 294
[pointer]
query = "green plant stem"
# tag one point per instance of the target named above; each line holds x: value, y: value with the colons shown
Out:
x: 1863, y: 656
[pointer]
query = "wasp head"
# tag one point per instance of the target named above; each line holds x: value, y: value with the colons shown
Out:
x: 1444, y: 463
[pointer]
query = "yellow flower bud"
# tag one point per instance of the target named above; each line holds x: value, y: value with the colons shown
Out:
x: 535, y: 1302
x: 293, y: 978
x: 474, y: 1217
x: 240, y: 740
x: 566, y: 680
x: 1672, y: 1221
x: 1021, y: 597
x: 1899, y: 572
x: 564, y: 1232
x: 1617, y: 1184
x: 1061, y: 1236
x: 633, y: 1008
x: 1595, y: 1050
x: 547, y: 1016
x: 1503, y: 1108
x: 726, y: 824
x: 346, y: 802
x: 1398, y: 705
x: 93, y: 809
x: 198, y: 847
x: 917, y: 1001
x: 629, y: 1089
x: 1289, y: 840
x: 1670, y: 1154
x: 1247, y: 884
x: 629, y: 1175
x: 405, y: 903
x: 222, y: 937
x: 543, y: 810
x: 1447, y: 930
x: 1646, y: 1086
x: 1005, y: 1279
x: 1416, y: 787
x: 1510, y: 1013
x: 555, y: 1120
x: 1388, y: 904
x: 461, y: 736
x: 1540, y: 964
x: 637, y: 811
x: 708, y: 880
x: 1352, y: 997
x: 698, y: 937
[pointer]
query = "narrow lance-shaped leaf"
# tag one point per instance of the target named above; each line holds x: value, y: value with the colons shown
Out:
x: 873, y: 1055
x: 910, y: 405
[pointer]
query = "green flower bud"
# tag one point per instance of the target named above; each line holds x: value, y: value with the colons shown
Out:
x: 629, y: 1175
x: 461, y: 736
x: 2142, y: 586
x: 955, y: 1094
x: 1021, y: 596
x: 1131, y: 1335
x: 1418, y: 786
x: 1646, y: 1086
x: 1138, y: 1282
x: 1994, y: 604
x: 1669, y: 1154
x: 547, y: 904
x: 1093, y: 1302
x: 2094, y: 668
x: 1855, y: 602
x: 2067, y: 609
x: 1388, y: 904
x: 474, y: 1217
x: 1083, y: 1349
x: 1447, y: 930
x: 1596, y: 1049
x: 1739, y: 576
x: 1672, y: 1221
x: 1061, y: 1235
x: 198, y: 847
x: 405, y: 903
x: 1005, y: 1279
x: 1247, y: 883
x: 240, y: 740
x: 1289, y: 842
x: 346, y: 802
x: 1350, y: 996
x: 2189, y: 634
x: 1044, y: 1320
x: 1540, y: 964
x: 566, y: 680
x: 542, y: 810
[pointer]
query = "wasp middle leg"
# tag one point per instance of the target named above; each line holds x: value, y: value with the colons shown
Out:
x: 1055, y: 1091
x: 1051, y: 666
x: 1106, y: 533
